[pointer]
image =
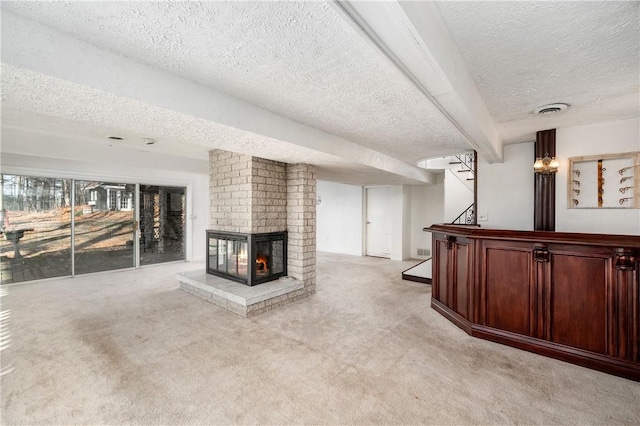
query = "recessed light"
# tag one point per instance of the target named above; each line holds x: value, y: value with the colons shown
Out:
x: 550, y: 108
x: 149, y: 141
x: 115, y: 138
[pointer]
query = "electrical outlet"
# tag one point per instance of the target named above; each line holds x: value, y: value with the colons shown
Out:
x: 483, y: 216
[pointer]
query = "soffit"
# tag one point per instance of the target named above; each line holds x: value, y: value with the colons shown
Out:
x: 298, y: 59
x: 34, y: 134
x: 526, y: 54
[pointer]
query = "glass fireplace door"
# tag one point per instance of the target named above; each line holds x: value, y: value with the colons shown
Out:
x: 228, y: 257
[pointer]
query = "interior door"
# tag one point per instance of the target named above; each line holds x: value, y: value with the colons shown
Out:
x: 378, y: 229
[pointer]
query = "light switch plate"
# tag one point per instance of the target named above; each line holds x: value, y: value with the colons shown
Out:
x: 483, y: 216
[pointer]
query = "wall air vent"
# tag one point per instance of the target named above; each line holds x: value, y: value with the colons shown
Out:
x: 424, y: 252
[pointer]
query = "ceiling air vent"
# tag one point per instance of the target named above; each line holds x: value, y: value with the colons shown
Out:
x: 550, y: 108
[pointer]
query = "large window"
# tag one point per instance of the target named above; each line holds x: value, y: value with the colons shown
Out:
x: 36, y: 228
x: 40, y: 232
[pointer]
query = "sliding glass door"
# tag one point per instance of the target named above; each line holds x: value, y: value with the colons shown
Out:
x: 35, y: 228
x: 162, y: 224
x: 104, y: 231
x: 52, y: 227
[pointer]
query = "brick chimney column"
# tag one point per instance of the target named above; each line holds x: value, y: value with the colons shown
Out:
x: 301, y: 225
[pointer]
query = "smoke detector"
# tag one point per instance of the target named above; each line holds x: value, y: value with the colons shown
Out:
x: 550, y: 108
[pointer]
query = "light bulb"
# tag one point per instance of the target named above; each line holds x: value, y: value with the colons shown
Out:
x: 538, y: 165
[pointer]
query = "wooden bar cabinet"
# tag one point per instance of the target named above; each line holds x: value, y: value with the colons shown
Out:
x: 574, y: 297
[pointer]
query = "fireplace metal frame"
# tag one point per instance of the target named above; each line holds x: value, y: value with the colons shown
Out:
x: 252, y: 240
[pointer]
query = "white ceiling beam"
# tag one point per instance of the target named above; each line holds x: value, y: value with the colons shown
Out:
x: 414, y: 37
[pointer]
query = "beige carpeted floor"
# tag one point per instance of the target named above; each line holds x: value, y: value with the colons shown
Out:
x: 130, y: 348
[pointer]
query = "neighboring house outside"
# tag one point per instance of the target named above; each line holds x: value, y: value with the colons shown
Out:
x: 109, y: 197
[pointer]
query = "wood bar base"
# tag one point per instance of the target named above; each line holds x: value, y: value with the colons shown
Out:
x: 573, y: 297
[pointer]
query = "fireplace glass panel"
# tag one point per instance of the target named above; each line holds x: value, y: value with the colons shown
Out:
x: 232, y: 257
x: 228, y: 257
x: 222, y: 256
x: 241, y: 259
x: 213, y: 252
x: 277, y: 257
x: 263, y: 259
x: 237, y: 258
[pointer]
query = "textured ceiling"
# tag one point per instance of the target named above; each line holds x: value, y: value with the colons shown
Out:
x: 298, y: 59
x: 305, y: 61
x: 526, y: 54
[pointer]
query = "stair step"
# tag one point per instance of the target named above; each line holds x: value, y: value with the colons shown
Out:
x: 470, y: 179
x: 465, y: 171
x: 455, y: 162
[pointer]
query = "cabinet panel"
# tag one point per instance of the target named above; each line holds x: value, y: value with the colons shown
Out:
x: 635, y: 320
x: 627, y: 314
x: 634, y: 315
x: 508, y: 297
x: 443, y: 280
x: 462, y: 281
x: 579, y: 298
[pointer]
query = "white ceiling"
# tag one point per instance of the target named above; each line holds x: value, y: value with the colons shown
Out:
x: 299, y: 82
x: 526, y: 54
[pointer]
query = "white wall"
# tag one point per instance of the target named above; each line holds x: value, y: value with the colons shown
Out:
x: 607, y: 138
x: 341, y: 214
x: 505, y: 190
x: 427, y: 208
x: 399, y: 203
x: 197, y: 185
x: 339, y: 218
x: 458, y: 195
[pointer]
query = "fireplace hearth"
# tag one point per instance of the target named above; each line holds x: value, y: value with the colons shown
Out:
x: 250, y: 259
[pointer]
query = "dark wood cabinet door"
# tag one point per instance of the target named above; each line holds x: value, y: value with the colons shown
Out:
x: 452, y: 274
x: 634, y: 340
x: 440, y: 268
x: 462, y: 303
x: 581, y: 300
x: 509, y: 290
x: 627, y: 303
x: 633, y: 303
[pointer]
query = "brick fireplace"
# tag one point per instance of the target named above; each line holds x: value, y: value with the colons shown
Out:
x: 253, y: 196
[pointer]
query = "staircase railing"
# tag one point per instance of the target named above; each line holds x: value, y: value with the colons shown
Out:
x: 467, y: 217
x: 467, y: 162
